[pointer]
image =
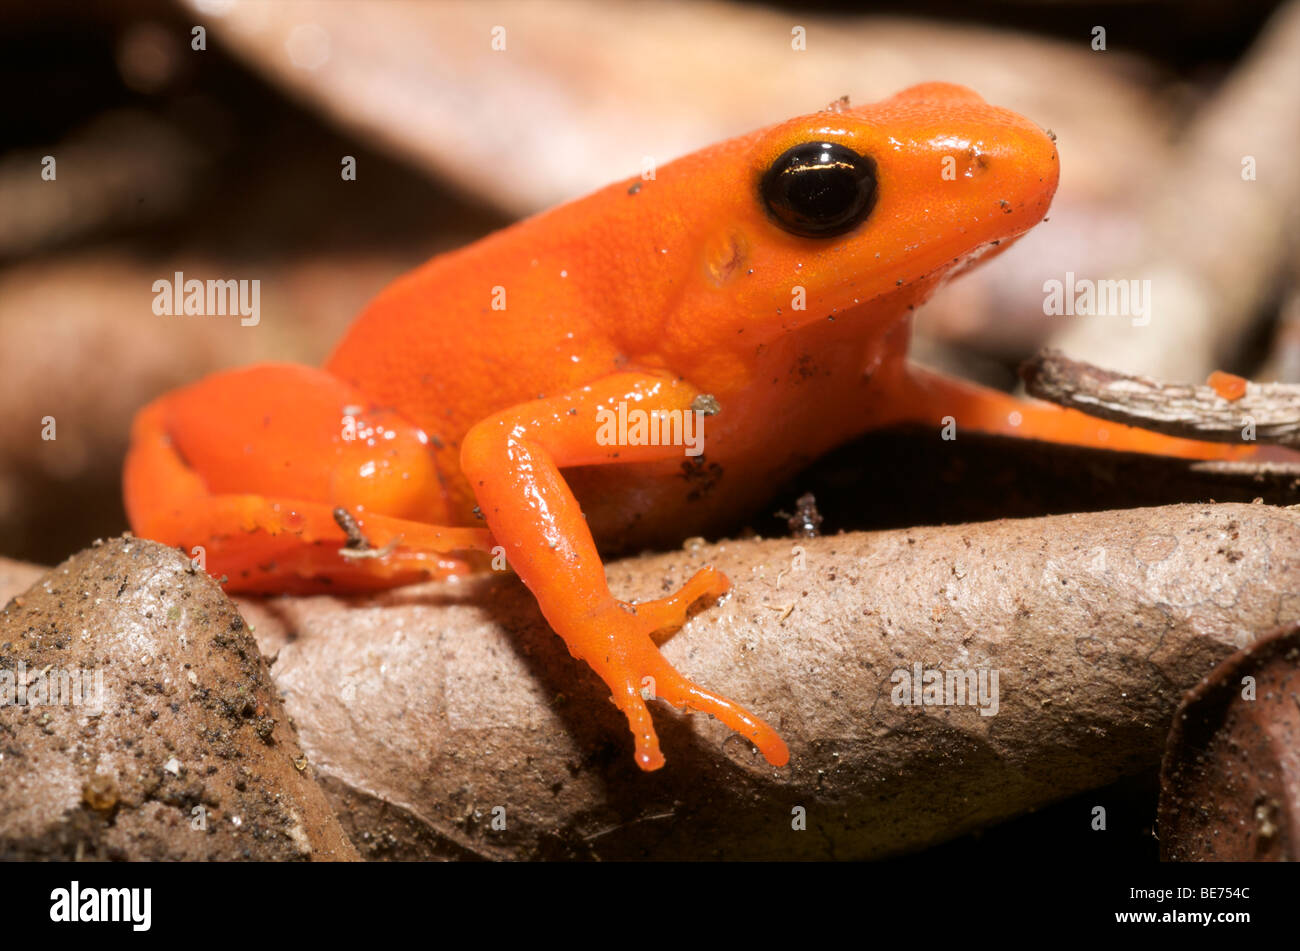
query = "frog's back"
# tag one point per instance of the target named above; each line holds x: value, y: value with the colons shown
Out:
x: 550, y: 303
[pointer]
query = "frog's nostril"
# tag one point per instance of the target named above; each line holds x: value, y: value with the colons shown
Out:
x: 1025, y: 157
x: 974, y: 163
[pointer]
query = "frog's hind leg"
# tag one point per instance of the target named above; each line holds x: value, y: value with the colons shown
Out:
x: 252, y: 473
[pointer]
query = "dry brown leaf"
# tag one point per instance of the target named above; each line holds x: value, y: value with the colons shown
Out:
x: 147, y: 727
x: 427, y: 708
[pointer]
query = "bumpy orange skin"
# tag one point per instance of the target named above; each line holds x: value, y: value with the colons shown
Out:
x: 651, y: 293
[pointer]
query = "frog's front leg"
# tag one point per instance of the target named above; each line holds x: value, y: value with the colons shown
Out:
x: 926, y: 397
x: 512, y: 461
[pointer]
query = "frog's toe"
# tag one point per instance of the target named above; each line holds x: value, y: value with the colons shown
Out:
x: 662, y: 617
x: 684, y: 693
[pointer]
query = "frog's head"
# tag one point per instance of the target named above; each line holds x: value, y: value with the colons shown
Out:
x: 836, y: 210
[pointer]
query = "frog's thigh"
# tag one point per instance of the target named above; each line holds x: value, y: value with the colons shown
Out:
x: 251, y: 464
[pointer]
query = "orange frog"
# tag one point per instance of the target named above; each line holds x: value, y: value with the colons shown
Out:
x: 546, y: 379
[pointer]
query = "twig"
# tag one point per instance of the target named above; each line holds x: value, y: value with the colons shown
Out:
x: 1175, y: 409
x: 358, y: 546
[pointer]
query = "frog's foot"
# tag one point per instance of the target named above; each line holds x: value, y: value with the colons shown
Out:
x: 282, y: 545
x: 617, y: 641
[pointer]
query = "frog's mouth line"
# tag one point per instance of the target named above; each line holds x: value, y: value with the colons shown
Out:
x: 943, y: 272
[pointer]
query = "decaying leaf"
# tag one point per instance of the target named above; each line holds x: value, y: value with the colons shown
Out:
x: 447, y: 720
x: 1230, y: 782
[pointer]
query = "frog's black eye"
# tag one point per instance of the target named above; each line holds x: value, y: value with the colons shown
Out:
x: 820, y: 189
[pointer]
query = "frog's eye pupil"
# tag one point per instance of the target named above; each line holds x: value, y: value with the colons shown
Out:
x: 820, y: 189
